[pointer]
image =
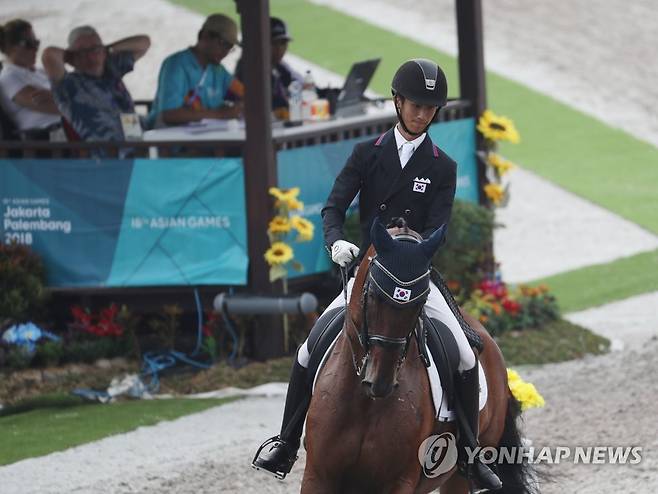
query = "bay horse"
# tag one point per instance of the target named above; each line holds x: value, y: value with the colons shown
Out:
x: 357, y: 443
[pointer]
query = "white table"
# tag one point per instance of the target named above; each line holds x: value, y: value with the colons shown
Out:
x: 233, y: 130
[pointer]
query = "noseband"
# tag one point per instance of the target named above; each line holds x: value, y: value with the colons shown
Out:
x: 394, y: 292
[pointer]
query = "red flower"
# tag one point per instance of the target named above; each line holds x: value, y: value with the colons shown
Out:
x: 80, y: 315
x: 511, y: 306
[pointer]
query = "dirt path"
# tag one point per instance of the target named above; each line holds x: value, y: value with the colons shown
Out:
x: 597, y: 401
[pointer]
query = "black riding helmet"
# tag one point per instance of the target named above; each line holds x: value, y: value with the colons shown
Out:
x: 421, y: 81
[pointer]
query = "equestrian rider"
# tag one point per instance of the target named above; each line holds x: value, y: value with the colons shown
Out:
x: 400, y: 174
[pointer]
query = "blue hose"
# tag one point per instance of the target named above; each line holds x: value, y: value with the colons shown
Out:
x: 156, y: 362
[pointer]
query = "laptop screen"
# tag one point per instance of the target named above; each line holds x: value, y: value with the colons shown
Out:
x: 356, y: 82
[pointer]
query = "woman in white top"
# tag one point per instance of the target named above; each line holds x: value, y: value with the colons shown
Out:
x: 24, y: 90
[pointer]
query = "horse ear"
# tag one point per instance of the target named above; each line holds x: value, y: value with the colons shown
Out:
x: 380, y: 237
x: 431, y: 245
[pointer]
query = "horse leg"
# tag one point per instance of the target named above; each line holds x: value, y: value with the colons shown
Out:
x: 315, y: 484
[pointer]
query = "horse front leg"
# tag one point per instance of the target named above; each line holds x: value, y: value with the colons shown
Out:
x: 312, y: 483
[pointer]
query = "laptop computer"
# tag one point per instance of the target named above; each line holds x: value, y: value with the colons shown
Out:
x: 349, y: 100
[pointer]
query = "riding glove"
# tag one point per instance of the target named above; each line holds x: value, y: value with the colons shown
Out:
x: 343, y: 252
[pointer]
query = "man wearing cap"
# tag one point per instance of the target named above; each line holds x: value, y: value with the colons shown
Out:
x: 193, y: 84
x: 400, y: 174
x: 93, y: 97
x: 282, y: 73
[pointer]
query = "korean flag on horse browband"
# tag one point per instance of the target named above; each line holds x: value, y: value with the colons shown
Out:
x: 398, y: 291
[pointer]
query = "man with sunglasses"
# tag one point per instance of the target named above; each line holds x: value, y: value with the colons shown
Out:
x: 193, y: 84
x: 282, y: 73
x: 24, y: 89
x: 93, y: 98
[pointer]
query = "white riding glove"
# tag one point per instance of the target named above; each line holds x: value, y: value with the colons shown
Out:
x: 343, y: 252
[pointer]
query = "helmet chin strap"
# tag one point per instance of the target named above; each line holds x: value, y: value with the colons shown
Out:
x: 404, y: 126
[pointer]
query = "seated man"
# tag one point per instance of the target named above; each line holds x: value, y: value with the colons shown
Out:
x: 282, y: 73
x: 93, y: 97
x: 25, y: 90
x: 193, y: 84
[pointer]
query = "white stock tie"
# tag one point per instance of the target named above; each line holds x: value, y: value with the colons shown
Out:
x: 406, y: 150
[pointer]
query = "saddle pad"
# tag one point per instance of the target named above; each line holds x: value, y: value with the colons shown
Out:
x: 443, y: 414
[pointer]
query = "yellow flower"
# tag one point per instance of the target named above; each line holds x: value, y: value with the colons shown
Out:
x: 494, y: 192
x: 279, y: 224
x: 287, y: 197
x: 501, y: 165
x: 279, y: 253
x: 524, y: 392
x: 304, y: 228
x: 497, y: 128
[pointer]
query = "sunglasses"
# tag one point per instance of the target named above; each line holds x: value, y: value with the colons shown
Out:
x: 227, y: 45
x: 30, y: 44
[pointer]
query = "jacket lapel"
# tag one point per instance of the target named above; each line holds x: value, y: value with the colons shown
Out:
x: 420, y: 160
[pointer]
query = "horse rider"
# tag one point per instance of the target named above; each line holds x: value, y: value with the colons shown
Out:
x: 400, y: 174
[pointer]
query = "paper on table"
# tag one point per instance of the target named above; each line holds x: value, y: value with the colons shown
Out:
x: 214, y: 124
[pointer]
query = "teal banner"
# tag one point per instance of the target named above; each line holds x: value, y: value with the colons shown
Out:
x: 128, y: 223
x: 313, y: 169
x: 121, y: 223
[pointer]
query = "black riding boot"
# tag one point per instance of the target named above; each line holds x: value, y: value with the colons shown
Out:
x: 469, y: 397
x: 278, y: 454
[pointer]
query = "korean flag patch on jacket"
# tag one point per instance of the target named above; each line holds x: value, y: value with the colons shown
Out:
x: 420, y: 184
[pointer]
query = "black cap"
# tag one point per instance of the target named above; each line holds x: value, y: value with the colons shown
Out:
x: 422, y: 81
x: 279, y: 29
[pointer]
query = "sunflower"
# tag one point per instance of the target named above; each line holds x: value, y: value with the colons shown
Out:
x: 287, y: 197
x: 279, y: 253
x: 495, y: 193
x: 304, y: 228
x: 501, y: 165
x: 497, y: 128
x: 279, y: 224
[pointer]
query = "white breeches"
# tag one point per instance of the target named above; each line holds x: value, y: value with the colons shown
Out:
x: 436, y: 308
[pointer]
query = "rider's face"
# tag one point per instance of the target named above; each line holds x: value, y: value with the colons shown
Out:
x: 416, y: 117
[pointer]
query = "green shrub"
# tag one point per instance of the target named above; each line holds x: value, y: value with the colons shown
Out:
x: 49, y: 354
x: 466, y: 256
x: 22, y: 280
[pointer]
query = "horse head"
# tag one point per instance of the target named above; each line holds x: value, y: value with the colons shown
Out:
x: 392, y: 284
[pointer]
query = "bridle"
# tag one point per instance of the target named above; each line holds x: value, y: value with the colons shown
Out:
x: 380, y: 280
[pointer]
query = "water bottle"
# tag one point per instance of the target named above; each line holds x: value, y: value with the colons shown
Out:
x: 309, y: 95
x: 295, y: 101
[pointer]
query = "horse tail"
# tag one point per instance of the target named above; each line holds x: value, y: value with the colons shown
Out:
x: 518, y: 477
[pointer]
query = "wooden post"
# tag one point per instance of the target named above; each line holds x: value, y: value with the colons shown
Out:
x: 259, y: 161
x: 472, y: 82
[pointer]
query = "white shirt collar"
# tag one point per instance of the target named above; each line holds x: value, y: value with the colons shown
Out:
x: 400, y: 140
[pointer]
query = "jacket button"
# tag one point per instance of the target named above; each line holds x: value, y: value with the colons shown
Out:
x: 382, y: 207
x: 407, y: 212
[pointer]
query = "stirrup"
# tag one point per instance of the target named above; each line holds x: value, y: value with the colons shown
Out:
x: 278, y: 473
x: 478, y: 484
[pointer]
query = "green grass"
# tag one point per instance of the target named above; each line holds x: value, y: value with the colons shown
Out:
x: 57, y: 422
x: 603, y: 283
x: 573, y: 150
x: 556, y: 342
